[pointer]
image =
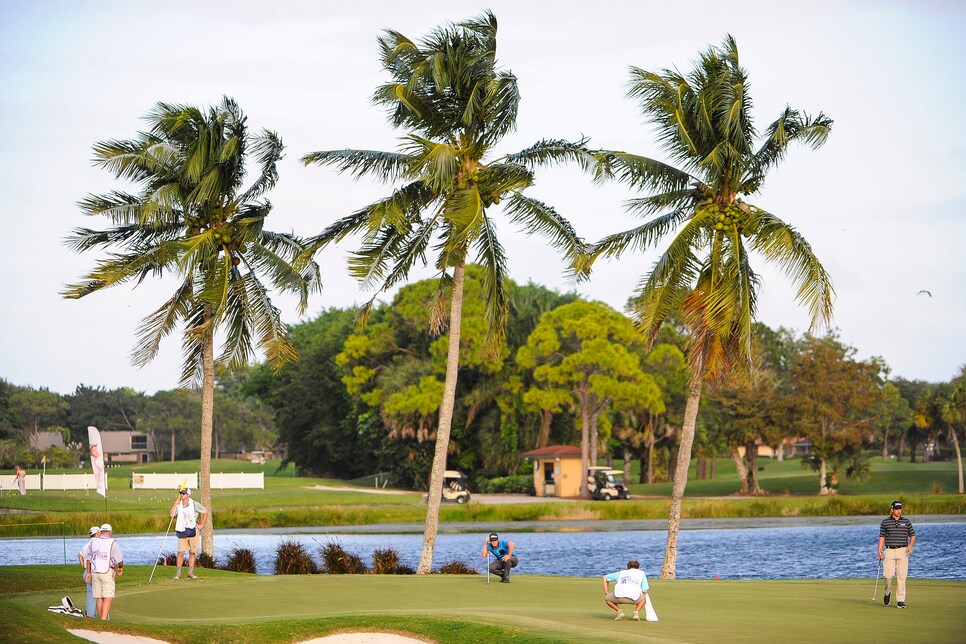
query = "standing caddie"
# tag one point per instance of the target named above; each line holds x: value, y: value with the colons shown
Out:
x: 106, y: 564
x: 83, y: 557
x: 187, y: 528
x: 896, y: 539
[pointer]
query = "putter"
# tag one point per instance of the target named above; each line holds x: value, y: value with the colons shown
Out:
x: 878, y: 569
x: 160, y: 549
x: 487, y: 567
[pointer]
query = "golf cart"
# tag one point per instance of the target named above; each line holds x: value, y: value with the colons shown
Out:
x: 605, y: 484
x: 454, y: 487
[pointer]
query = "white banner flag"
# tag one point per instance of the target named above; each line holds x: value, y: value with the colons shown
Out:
x: 97, y: 460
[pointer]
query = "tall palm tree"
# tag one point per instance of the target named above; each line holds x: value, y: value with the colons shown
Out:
x: 704, y: 123
x: 193, y: 219
x: 456, y: 105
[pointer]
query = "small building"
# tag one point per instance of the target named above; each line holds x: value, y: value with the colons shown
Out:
x: 556, y: 470
x: 126, y: 446
x: 42, y: 441
x: 788, y: 448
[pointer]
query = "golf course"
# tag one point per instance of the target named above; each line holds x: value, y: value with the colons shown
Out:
x: 224, y: 606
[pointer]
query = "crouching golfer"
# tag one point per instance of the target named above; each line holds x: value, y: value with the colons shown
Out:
x: 106, y: 563
x: 503, y: 552
x: 631, y: 588
x: 187, y: 528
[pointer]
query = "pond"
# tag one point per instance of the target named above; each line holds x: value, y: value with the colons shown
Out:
x: 809, y: 549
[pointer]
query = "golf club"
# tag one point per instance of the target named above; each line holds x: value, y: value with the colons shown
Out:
x: 160, y: 549
x: 878, y: 569
x: 487, y: 567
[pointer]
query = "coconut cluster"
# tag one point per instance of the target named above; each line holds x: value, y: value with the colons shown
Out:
x: 729, y: 217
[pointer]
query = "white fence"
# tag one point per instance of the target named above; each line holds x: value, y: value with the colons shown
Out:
x: 238, y: 481
x: 219, y: 481
x: 152, y: 481
x: 68, y: 482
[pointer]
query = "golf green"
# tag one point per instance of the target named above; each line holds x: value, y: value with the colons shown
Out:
x: 531, y: 608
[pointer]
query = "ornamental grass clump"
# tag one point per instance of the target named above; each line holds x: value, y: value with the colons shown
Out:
x: 291, y: 558
x: 241, y: 560
x: 204, y: 560
x: 336, y: 561
x: 386, y: 562
x: 456, y: 567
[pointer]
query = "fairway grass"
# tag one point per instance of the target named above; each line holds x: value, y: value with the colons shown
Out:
x: 230, y: 607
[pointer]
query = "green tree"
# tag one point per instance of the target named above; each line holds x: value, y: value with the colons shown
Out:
x: 107, y: 409
x: 171, y: 417
x: 940, y: 411
x: 833, y: 398
x: 193, y: 218
x: 704, y: 123
x: 37, y: 409
x: 891, y: 415
x: 457, y: 105
x: 587, y: 350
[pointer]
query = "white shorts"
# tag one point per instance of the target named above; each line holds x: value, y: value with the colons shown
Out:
x: 103, y: 584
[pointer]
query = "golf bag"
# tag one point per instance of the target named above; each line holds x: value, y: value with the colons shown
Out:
x: 66, y: 607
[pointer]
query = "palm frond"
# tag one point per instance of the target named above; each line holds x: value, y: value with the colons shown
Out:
x: 160, y: 323
x: 549, y: 152
x: 386, y: 166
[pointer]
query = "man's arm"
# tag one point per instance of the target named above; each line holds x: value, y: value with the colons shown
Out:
x: 606, y: 587
x: 881, y: 544
x: 912, y: 541
x: 509, y: 550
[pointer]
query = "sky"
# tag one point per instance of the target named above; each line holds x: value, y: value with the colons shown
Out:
x: 881, y: 203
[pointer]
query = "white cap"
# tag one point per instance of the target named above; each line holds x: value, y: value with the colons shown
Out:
x: 94, y: 530
x: 107, y: 528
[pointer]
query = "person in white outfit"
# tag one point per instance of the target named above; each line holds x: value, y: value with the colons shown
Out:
x: 106, y: 564
x: 192, y: 518
x: 631, y: 588
x: 83, y: 557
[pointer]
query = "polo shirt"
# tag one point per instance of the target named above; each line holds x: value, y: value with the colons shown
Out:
x: 897, y: 532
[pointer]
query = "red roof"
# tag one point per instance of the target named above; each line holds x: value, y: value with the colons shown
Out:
x: 554, y: 451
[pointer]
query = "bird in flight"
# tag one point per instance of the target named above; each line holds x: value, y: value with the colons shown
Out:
x: 924, y: 291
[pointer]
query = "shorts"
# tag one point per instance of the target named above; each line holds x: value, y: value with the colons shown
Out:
x: 614, y: 599
x: 189, y: 544
x: 103, y: 584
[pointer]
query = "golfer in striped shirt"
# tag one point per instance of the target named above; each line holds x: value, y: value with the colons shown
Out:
x: 896, y: 538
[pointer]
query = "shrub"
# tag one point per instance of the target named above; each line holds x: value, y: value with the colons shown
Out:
x: 336, y: 561
x: 386, y: 562
x: 291, y: 558
x: 456, y: 567
x: 204, y: 560
x: 168, y: 559
x: 241, y: 560
x: 520, y: 484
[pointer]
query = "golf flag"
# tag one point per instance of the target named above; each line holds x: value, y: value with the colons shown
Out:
x: 97, y: 460
x: 43, y: 459
x: 649, y: 614
x: 184, y: 484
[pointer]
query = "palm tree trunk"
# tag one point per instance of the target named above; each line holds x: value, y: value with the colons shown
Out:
x: 742, y: 470
x: 445, y: 424
x: 207, y: 414
x: 823, y: 477
x: 959, y: 457
x: 885, y: 445
x: 594, y: 440
x: 681, y: 470
x: 584, y: 445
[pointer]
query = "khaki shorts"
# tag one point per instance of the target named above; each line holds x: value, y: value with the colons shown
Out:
x: 103, y: 584
x: 189, y: 544
x: 614, y: 599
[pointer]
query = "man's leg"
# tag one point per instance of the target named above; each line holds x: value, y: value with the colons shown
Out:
x: 177, y: 574
x: 91, y: 608
x: 508, y: 565
x: 902, y: 569
x: 888, y: 569
x: 100, y: 607
x: 191, y: 564
x: 105, y: 608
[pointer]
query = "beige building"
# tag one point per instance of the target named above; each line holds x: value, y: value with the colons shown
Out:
x: 125, y: 446
x: 556, y: 470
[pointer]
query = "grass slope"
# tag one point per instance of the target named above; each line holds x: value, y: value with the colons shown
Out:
x: 229, y: 607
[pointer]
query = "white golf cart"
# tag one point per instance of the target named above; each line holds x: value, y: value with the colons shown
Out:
x: 454, y: 487
x: 605, y: 484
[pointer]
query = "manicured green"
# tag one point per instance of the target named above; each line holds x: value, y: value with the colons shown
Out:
x: 232, y: 607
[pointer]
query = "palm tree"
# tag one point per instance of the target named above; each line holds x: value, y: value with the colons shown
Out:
x: 704, y: 123
x: 193, y: 219
x: 456, y: 105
